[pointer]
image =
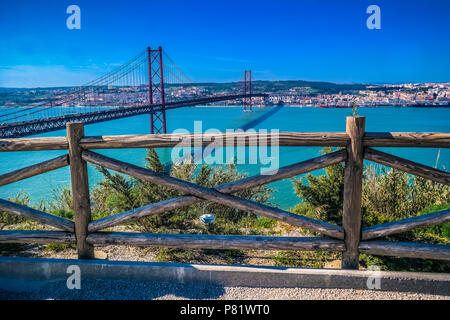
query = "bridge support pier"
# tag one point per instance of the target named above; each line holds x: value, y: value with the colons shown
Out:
x: 247, y: 102
x: 156, y: 85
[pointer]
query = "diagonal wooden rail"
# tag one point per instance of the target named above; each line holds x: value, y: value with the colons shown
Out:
x: 407, y: 166
x: 34, y: 170
x: 33, y: 214
x: 399, y: 226
x: 214, y: 195
x: 227, y: 188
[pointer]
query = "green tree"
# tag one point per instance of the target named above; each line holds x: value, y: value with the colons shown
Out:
x: 324, y: 194
x: 387, y: 195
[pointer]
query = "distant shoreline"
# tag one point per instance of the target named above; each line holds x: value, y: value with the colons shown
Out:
x: 327, y: 107
x: 290, y: 106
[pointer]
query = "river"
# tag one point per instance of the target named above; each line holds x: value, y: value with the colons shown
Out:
x: 221, y: 118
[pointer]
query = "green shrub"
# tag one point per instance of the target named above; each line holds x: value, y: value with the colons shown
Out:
x: 305, y: 259
x: 66, y: 214
x: 7, y: 218
x: 325, y: 193
x: 174, y: 255
x: 446, y: 230
x: 387, y: 195
x: 56, y: 247
x: 396, y: 195
x: 118, y: 193
x: 63, y: 199
x: 404, y: 264
x: 99, y: 215
x: 438, y: 233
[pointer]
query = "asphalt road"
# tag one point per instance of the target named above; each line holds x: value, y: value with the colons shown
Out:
x: 149, y: 290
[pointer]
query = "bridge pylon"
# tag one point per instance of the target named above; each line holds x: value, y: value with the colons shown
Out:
x: 247, y: 102
x: 155, y: 88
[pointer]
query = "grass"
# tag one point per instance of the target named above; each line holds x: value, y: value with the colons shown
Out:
x: 57, y: 247
x: 305, y: 259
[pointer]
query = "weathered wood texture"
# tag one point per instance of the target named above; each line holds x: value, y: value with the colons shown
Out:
x: 33, y: 144
x: 36, y: 215
x: 407, y: 139
x: 199, y: 241
x: 36, y: 236
x: 80, y: 190
x: 372, y: 139
x: 243, y: 138
x: 351, y: 220
x: 404, y: 225
x: 34, y: 170
x: 286, y: 172
x: 407, y: 166
x: 405, y: 249
x: 172, y: 140
x: 214, y: 195
x: 230, y: 187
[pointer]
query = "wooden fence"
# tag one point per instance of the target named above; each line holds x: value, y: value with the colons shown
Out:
x: 349, y: 238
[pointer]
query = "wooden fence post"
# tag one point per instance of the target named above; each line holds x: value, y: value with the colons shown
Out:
x: 80, y: 190
x: 351, y: 220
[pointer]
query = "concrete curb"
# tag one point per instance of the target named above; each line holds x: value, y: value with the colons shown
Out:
x: 18, y: 271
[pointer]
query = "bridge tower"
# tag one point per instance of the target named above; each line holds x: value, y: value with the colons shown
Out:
x: 156, y: 87
x: 247, y: 102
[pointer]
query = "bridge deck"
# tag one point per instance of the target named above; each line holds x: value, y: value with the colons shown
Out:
x: 32, y: 127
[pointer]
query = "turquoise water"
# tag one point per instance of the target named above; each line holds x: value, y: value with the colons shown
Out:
x: 286, y: 119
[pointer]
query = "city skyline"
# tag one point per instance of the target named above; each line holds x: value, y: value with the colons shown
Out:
x: 215, y: 42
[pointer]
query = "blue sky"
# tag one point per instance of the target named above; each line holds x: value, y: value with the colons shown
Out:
x: 214, y: 40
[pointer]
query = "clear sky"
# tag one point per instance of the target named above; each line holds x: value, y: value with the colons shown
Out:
x: 215, y: 40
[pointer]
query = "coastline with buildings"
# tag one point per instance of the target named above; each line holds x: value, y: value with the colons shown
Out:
x: 288, y: 93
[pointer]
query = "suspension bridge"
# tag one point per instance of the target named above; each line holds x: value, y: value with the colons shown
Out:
x: 150, y: 83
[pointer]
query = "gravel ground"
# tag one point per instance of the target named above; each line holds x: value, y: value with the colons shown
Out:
x: 128, y: 253
x: 124, y: 290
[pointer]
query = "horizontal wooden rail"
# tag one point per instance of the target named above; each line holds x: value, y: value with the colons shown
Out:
x: 36, y: 215
x: 386, y: 229
x: 405, y: 249
x: 285, y: 139
x: 194, y: 241
x: 34, y: 170
x: 294, y: 139
x: 201, y: 241
x: 36, y: 236
x: 182, y: 241
x: 407, y: 166
x: 34, y: 144
x: 171, y: 140
x: 201, y: 192
x: 407, y: 139
x: 230, y: 187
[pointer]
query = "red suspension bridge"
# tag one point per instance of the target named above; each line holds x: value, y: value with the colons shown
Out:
x: 150, y: 83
